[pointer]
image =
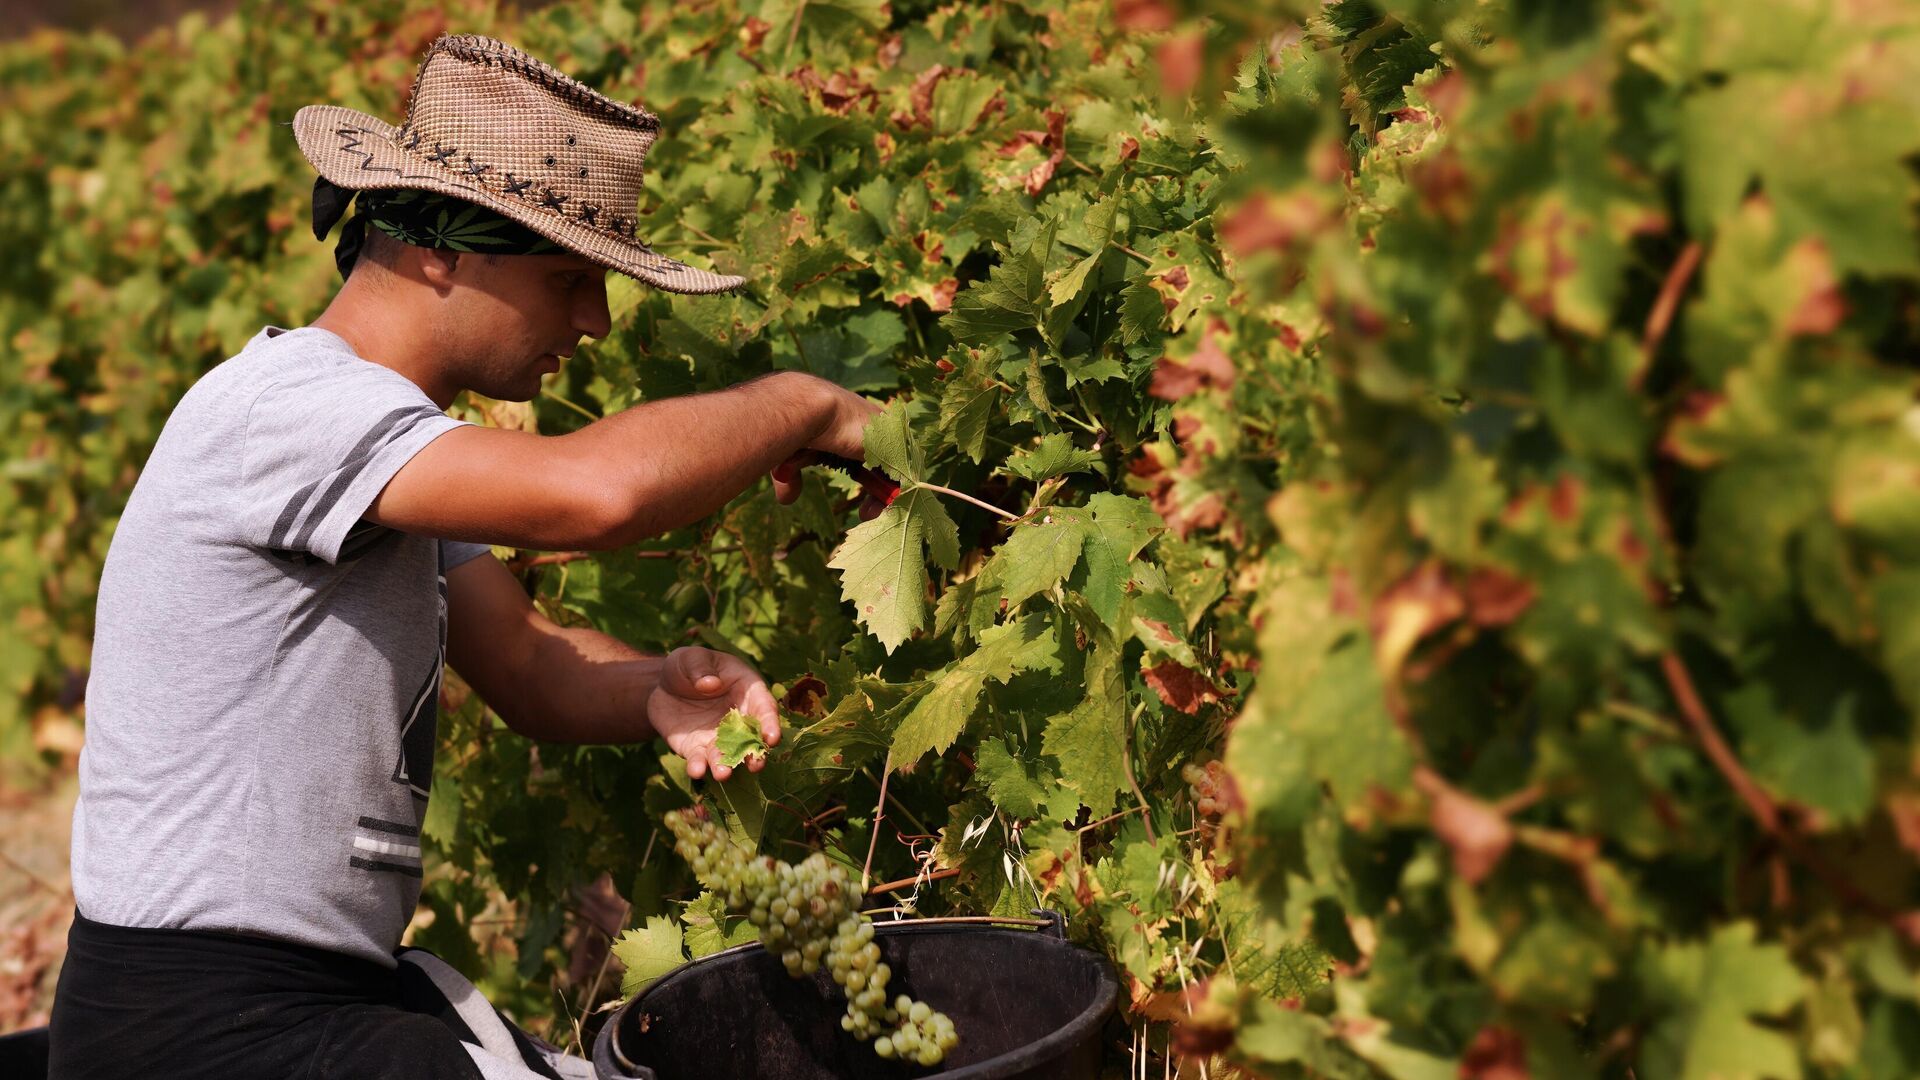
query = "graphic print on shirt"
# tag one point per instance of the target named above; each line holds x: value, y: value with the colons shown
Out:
x: 420, y: 726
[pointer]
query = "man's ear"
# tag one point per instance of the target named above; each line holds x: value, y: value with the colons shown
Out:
x: 437, y: 266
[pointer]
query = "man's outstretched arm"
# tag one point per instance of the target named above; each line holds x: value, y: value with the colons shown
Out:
x: 639, y: 473
x: 576, y: 685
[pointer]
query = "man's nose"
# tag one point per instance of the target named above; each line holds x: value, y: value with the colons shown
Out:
x: 591, y: 315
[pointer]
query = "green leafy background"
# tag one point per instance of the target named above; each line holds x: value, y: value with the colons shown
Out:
x: 1490, y: 428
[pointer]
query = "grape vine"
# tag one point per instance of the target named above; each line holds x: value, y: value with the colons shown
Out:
x: 1477, y: 438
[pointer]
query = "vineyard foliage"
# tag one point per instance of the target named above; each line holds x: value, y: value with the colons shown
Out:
x: 1486, y: 428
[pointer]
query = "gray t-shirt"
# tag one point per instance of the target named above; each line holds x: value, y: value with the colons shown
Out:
x: 266, y: 665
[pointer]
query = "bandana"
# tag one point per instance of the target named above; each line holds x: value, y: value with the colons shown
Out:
x: 421, y: 218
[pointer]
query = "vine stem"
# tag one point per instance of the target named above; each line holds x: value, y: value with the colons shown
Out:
x: 981, y: 503
x: 1109, y: 819
x: 1695, y: 715
x: 933, y: 875
x: 575, y: 406
x: 703, y: 234
x: 879, y: 814
x: 1661, y: 317
x: 1765, y: 810
x: 1077, y: 422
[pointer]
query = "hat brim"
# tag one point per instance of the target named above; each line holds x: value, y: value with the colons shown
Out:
x: 358, y: 151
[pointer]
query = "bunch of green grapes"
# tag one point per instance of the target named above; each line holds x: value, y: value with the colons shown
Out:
x: 808, y: 914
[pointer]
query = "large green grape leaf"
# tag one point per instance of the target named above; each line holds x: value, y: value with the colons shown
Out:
x: 1263, y: 957
x: 1040, y: 553
x: 1087, y: 741
x: 1010, y: 299
x: 1019, y: 785
x: 1704, y: 996
x: 883, y: 564
x: 648, y: 952
x: 1054, y: 455
x: 942, y: 713
x: 1121, y: 529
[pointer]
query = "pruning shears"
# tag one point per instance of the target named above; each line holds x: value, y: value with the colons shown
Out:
x: 876, y: 485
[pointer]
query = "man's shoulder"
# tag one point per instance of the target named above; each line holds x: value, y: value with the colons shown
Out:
x: 277, y: 367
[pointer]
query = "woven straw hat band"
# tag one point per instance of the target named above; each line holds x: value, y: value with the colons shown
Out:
x: 498, y: 130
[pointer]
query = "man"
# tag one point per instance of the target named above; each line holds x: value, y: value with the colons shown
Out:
x: 307, y: 547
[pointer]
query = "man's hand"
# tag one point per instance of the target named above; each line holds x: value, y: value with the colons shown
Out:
x: 697, y: 688
x: 843, y: 436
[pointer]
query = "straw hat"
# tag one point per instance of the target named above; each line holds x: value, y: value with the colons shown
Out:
x: 494, y: 126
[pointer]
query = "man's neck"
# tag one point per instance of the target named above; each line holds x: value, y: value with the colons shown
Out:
x: 378, y: 335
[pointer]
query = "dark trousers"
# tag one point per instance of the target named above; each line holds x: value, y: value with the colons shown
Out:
x: 173, y: 1004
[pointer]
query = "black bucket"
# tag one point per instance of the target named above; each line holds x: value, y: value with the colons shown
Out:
x: 1027, y: 1005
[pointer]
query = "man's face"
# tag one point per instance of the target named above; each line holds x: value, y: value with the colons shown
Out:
x: 512, y: 320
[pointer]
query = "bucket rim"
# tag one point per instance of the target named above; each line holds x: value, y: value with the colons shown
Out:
x: 1094, y: 1014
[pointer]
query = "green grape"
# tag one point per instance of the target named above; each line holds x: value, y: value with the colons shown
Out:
x: 808, y: 914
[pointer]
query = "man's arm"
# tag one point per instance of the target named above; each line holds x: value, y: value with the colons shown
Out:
x: 575, y: 685
x: 639, y: 473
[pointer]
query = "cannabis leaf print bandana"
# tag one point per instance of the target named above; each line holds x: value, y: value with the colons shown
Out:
x: 423, y: 219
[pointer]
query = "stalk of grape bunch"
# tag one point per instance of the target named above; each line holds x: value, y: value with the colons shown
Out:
x: 808, y: 914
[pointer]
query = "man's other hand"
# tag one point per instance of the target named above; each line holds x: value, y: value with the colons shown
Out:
x: 843, y: 436
x: 697, y: 689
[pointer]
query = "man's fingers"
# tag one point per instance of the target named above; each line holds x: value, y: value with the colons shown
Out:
x: 788, y: 471
x: 695, y: 672
x: 758, y: 702
x: 786, y: 476
x: 697, y: 766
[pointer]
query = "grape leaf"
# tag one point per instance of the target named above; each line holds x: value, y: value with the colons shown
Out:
x: 648, y: 952
x: 1019, y: 786
x: 1141, y: 313
x: 1040, y: 553
x: 938, y: 718
x: 1055, y: 455
x: 1702, y: 997
x: 1262, y: 956
x: 1122, y: 528
x: 1013, y: 296
x: 967, y: 406
x: 889, y: 443
x: 1007, y: 301
x: 1087, y: 741
x: 709, y: 928
x: 884, y: 564
x: 737, y: 736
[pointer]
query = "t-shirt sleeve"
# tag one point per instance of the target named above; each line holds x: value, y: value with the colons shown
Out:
x: 317, y: 449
